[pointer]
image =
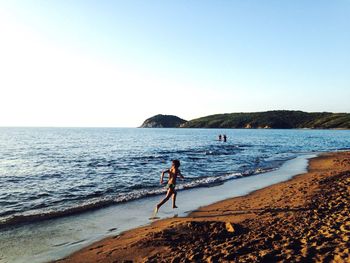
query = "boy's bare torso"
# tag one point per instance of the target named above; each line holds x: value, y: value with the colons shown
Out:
x: 173, y: 175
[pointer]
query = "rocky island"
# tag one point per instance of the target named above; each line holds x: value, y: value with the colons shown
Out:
x: 163, y: 121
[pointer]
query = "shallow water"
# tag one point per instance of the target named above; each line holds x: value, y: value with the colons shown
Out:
x: 50, y: 172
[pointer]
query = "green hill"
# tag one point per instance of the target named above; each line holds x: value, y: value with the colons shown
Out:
x: 280, y: 119
x: 163, y: 121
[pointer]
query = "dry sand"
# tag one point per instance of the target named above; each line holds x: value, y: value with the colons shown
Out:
x: 304, y: 219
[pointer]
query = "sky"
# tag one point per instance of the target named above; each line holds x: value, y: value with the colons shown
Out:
x: 83, y: 63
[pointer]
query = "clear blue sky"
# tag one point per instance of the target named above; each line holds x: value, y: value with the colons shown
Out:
x: 116, y: 63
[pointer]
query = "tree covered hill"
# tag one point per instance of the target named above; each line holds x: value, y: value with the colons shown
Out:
x: 163, y: 121
x: 280, y: 119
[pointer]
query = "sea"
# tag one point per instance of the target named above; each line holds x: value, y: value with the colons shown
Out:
x: 62, y: 189
x: 54, y: 172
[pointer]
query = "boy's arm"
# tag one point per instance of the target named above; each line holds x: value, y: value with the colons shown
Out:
x: 162, y: 176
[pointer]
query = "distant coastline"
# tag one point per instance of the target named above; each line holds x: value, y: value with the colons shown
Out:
x: 278, y: 119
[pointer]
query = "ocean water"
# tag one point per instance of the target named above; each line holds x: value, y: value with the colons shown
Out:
x: 51, y: 172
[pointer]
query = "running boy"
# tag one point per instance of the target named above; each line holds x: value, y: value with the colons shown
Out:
x: 173, y: 172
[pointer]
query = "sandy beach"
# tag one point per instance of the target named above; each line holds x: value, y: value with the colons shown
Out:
x: 303, y: 219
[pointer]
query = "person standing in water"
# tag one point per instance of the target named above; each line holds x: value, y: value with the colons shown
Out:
x: 173, y: 172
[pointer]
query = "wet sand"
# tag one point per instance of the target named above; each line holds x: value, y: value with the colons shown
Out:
x: 303, y: 219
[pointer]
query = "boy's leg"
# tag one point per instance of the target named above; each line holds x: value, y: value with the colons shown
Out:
x: 174, y: 199
x: 168, y: 194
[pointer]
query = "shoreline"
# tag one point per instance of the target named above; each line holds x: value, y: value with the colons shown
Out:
x: 54, y: 239
x: 290, y: 220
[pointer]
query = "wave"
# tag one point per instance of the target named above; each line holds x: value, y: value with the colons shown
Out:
x: 209, y: 181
